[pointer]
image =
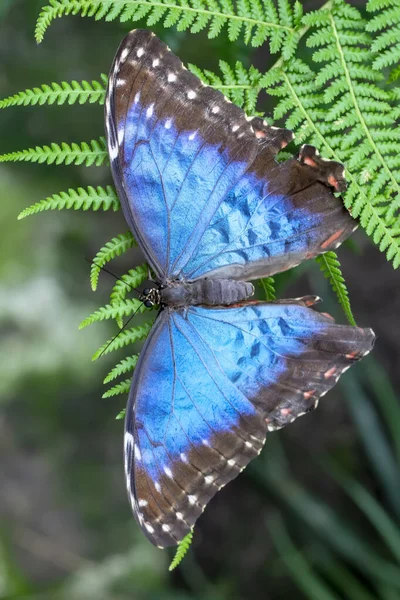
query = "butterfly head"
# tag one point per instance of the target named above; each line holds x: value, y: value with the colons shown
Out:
x: 151, y: 297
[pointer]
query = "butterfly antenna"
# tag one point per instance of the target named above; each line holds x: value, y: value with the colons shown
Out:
x: 102, y: 268
x: 121, y: 330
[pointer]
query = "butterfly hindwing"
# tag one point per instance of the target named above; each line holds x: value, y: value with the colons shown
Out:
x: 209, y: 386
x: 198, y: 181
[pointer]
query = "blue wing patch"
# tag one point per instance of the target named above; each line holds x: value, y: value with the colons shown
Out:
x: 209, y: 386
x: 198, y: 181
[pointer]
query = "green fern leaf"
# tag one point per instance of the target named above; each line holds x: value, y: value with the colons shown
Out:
x: 127, y: 283
x: 183, y: 547
x: 92, y: 153
x: 60, y: 93
x: 330, y: 267
x: 125, y: 337
x: 386, y: 26
x: 124, y: 366
x: 80, y: 199
x: 268, y: 286
x: 125, y: 308
x: 117, y: 390
x: 121, y: 415
x: 115, y: 247
x: 255, y: 21
x: 239, y: 85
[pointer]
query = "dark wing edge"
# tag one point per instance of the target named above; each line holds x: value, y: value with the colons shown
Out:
x: 167, y: 507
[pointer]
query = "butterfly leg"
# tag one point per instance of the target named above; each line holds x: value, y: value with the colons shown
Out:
x: 275, y: 137
x: 329, y: 172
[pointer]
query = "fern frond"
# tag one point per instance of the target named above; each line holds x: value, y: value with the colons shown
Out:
x: 121, y: 414
x: 124, y: 366
x: 268, y: 286
x: 117, y: 390
x: 128, y: 336
x: 254, y: 21
x: 330, y: 267
x: 84, y: 153
x: 183, y: 547
x: 240, y: 85
x: 115, y: 247
x: 342, y: 109
x: 126, y: 283
x: 386, y: 24
x: 60, y: 93
x: 125, y: 308
x: 80, y: 199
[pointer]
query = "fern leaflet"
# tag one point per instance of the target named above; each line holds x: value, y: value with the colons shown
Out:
x: 124, y: 308
x: 121, y: 415
x: 386, y: 23
x: 268, y: 286
x: 330, y: 267
x: 88, y: 154
x: 80, y: 199
x: 256, y: 21
x: 124, y: 366
x: 183, y: 547
x: 60, y: 93
x: 115, y: 247
x: 240, y: 85
x: 128, y: 336
x: 121, y: 388
x: 126, y: 283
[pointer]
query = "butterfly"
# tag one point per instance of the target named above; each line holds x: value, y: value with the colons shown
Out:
x: 212, y: 209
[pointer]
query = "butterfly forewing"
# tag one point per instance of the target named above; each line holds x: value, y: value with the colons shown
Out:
x: 198, y: 181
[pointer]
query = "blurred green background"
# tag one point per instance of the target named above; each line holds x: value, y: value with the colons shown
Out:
x: 315, y: 516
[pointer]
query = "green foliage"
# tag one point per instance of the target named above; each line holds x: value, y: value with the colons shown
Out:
x: 121, y: 414
x: 80, y: 199
x: 124, y: 366
x: 117, y: 390
x: 240, y: 85
x: 124, y: 338
x: 124, y: 308
x: 268, y: 286
x: 330, y: 267
x: 115, y: 247
x: 255, y: 21
x: 60, y: 93
x: 128, y: 282
x: 341, y: 106
x: 183, y: 547
x: 386, y: 45
x: 84, y: 153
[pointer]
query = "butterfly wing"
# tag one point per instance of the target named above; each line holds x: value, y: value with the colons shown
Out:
x: 198, y: 181
x: 209, y: 385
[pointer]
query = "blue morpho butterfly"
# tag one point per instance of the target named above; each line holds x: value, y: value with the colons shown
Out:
x: 212, y: 209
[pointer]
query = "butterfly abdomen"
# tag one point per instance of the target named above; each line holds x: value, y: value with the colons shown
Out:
x: 209, y: 292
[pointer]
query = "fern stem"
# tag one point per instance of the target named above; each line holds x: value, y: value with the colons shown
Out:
x: 356, y: 105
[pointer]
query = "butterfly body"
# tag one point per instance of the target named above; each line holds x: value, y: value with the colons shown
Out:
x: 208, y: 292
x: 212, y: 209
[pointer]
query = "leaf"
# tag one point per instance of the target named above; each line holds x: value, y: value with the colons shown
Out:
x: 115, y: 247
x: 83, y: 153
x: 183, y: 547
x: 330, y: 267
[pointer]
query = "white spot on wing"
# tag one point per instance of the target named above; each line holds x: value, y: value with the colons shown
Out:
x: 191, y: 94
x: 184, y: 457
x: 231, y: 462
x: 235, y: 128
x: 192, y: 499
x: 166, y: 528
x: 138, y: 455
x: 215, y: 109
x: 140, y: 52
x: 192, y: 135
x: 137, y: 98
x: 124, y: 53
x: 156, y: 62
x: 120, y: 82
x: 171, y: 77
x: 168, y: 472
x: 143, y: 502
x: 157, y: 486
x: 149, y: 528
x: 168, y: 124
x: 149, y: 111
